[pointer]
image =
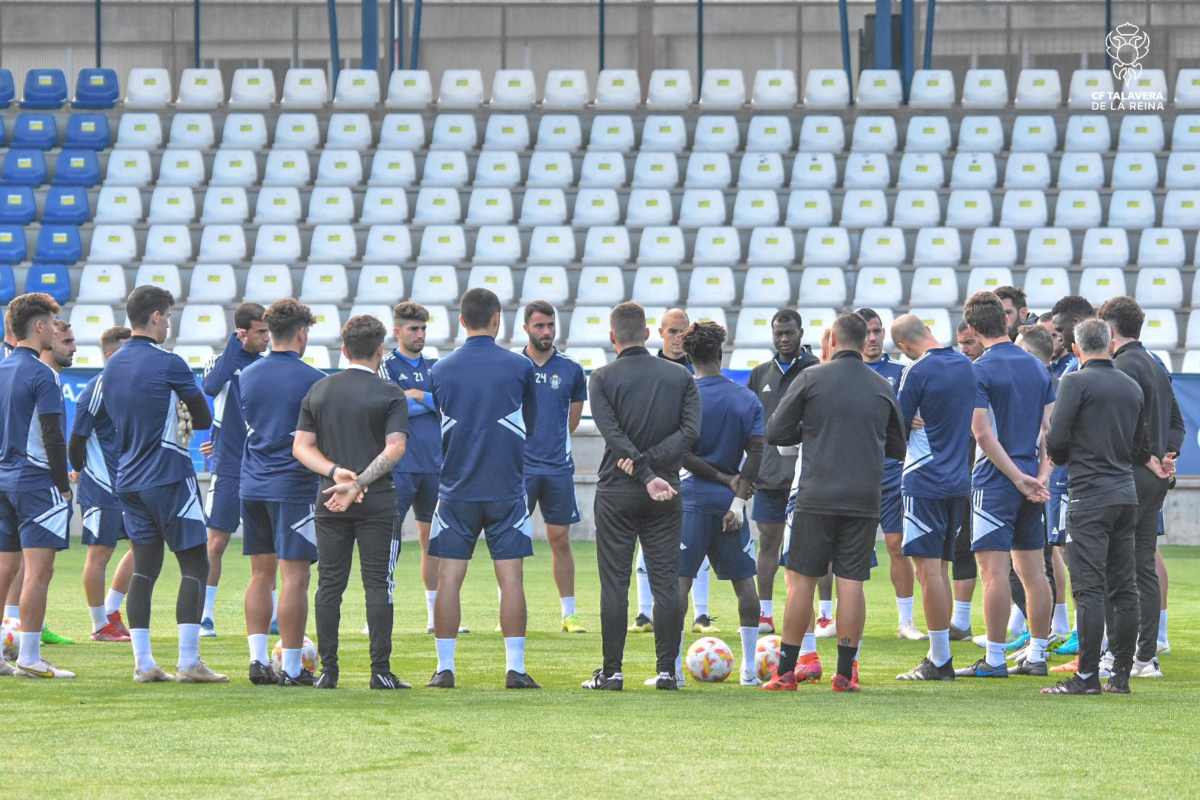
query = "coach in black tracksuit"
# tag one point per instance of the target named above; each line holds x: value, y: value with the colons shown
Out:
x: 1098, y: 429
x: 648, y: 411
x: 1165, y: 432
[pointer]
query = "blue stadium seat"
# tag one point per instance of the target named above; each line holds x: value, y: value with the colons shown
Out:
x: 24, y: 167
x: 12, y: 244
x: 88, y: 132
x: 8, y: 89
x: 44, y: 88
x: 53, y: 279
x: 66, y: 205
x: 17, y: 206
x: 8, y: 284
x: 58, y: 243
x: 35, y: 131
x: 77, y: 168
x: 96, y: 88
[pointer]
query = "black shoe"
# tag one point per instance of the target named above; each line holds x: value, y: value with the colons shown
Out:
x: 263, y: 674
x: 386, y: 680
x: 1075, y: 685
x: 328, y: 680
x: 604, y: 683
x: 1024, y: 666
x: 519, y: 680
x: 442, y: 680
x: 927, y: 671
x: 1117, y: 684
x: 305, y: 678
x: 666, y: 682
x: 960, y: 635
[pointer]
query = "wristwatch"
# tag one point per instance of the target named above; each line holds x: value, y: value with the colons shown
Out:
x: 333, y: 470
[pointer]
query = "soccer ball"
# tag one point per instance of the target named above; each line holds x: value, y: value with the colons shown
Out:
x: 766, y: 656
x: 308, y: 655
x: 8, y: 643
x: 710, y: 659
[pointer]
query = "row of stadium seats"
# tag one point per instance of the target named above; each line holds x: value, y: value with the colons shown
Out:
x: 601, y: 245
x: 507, y: 169
x: 798, y: 209
x: 659, y: 133
x: 570, y: 88
x: 584, y: 326
x: 882, y: 286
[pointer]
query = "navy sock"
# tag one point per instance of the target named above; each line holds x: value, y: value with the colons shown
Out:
x: 846, y: 659
x: 788, y: 656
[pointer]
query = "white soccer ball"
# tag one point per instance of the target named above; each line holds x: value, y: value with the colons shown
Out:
x: 308, y: 655
x: 8, y: 643
x: 766, y: 656
x: 709, y: 659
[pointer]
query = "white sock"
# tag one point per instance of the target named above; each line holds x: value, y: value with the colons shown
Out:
x: 939, y: 647
x: 274, y: 605
x: 210, y: 602
x: 826, y: 609
x: 142, y: 659
x: 430, y: 599
x: 13, y: 613
x: 189, y: 644
x: 679, y: 657
x: 1085, y: 675
x: 1037, y: 650
x: 904, y: 606
x: 514, y: 653
x: 962, y: 614
x: 858, y: 650
x: 568, y: 605
x: 645, y: 598
x: 700, y: 590
x: 749, y: 642
x: 30, y: 651
x: 291, y: 662
x: 445, y: 653
x: 258, y: 647
x: 99, y: 618
x: 995, y: 653
x: 766, y: 608
x: 808, y: 644
x: 1016, y: 622
x: 112, y: 603
x: 1162, y: 626
x: 1061, y: 623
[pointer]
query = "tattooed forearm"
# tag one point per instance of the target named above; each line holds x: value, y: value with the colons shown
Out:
x: 383, y: 462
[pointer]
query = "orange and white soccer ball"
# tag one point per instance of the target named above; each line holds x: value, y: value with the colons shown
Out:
x: 8, y: 642
x: 308, y: 655
x: 766, y: 656
x: 709, y: 659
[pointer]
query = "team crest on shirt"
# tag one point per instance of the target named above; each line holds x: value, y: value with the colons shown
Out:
x: 555, y: 382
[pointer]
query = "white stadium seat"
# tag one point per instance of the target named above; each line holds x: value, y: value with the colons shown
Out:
x: 1089, y: 86
x: 327, y: 327
x: 1105, y: 247
x: 669, y: 89
x: 917, y: 208
x: 461, y: 88
x: 985, y: 88
x: 822, y: 286
x: 618, y: 89
x: 1161, y: 247
x: 771, y: 246
x: 1099, y: 284
x: 701, y: 207
x: 864, y: 208
x: 304, y: 88
x: 1049, y: 247
x: 723, y: 89
x: 611, y: 132
x: 827, y: 247
x: 826, y: 88
x: 881, y: 247
x: 497, y: 279
x: 113, y: 244
x: 497, y: 244
x: 1187, y: 89
x: 437, y: 205
x: 879, y: 287
x: 809, y: 208
x: 932, y: 88
x: 937, y: 247
x: 356, y: 88
x: 1044, y: 286
x: 409, y: 89
x: 974, y: 170
x: 252, y: 88
x: 589, y: 327
x: 128, y: 168
x: 1038, y: 88
x: 102, y: 283
x: 988, y: 279
x: 1135, y: 171
x: 379, y: 283
x: 543, y: 207
x: 993, y: 247
x: 934, y: 286
x: 330, y: 204
x: 148, y: 87
x: 648, y: 207
x: 1180, y: 209
x: 596, y: 207
x: 202, y: 324
x: 286, y: 168
x: 717, y: 246
x: 1087, y: 133
x: 879, y: 88
x: 118, y: 204
x: 392, y: 168
x: 278, y: 204
x: 388, y: 244
x: 222, y: 244
x: 1023, y: 209
x: 565, y: 89
x: 454, y: 132
x: 980, y: 135
x: 606, y: 244
x: 277, y: 244
x: 197, y: 356
x: 178, y: 204
x: 663, y: 133
x: 297, y: 132
x: 551, y: 244
x: 651, y: 286
x: 874, y: 135
x: 234, y: 168
x: 765, y: 285
x: 711, y: 286
x: 547, y: 283
x: 655, y: 171
x: 435, y: 284
x: 822, y: 134
x: 1077, y: 208
x: 550, y: 168
x: 938, y: 322
x: 266, y: 283
x: 168, y: 244
x: 181, y: 168
x: 402, y: 132
x: 212, y: 283
x: 1159, y: 287
x: 1142, y: 133
x: 506, y: 132
x: 1160, y: 331
x: 192, y: 131
x: 769, y: 134
x: 865, y: 171
x: 490, y: 206
x: 1034, y: 134
x: 927, y: 135
x: 88, y: 322
x: 246, y: 131
x: 202, y: 89
x: 164, y: 276
x: 774, y: 89
x: 1027, y: 171
x: 559, y: 132
x: 1080, y: 171
x: 816, y: 320
x: 755, y: 207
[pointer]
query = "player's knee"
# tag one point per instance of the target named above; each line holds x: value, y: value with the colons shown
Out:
x: 894, y: 544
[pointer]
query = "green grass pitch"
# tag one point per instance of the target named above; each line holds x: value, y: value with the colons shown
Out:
x: 102, y: 736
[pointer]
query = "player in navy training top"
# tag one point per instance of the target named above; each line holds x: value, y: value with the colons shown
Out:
x: 222, y: 506
x: 891, y: 514
x: 1014, y: 400
x: 939, y: 388
x: 416, y: 476
x: 278, y: 493
x: 549, y: 468
x: 93, y: 451
x: 715, y: 523
x: 488, y: 402
x: 156, y: 483
x: 35, y: 492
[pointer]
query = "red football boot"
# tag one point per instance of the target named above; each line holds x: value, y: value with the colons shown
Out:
x: 841, y: 683
x: 808, y: 668
x: 785, y: 682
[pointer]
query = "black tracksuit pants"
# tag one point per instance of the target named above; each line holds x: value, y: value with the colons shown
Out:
x: 378, y: 540
x: 622, y: 520
x: 1151, y: 492
x: 1101, y: 561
